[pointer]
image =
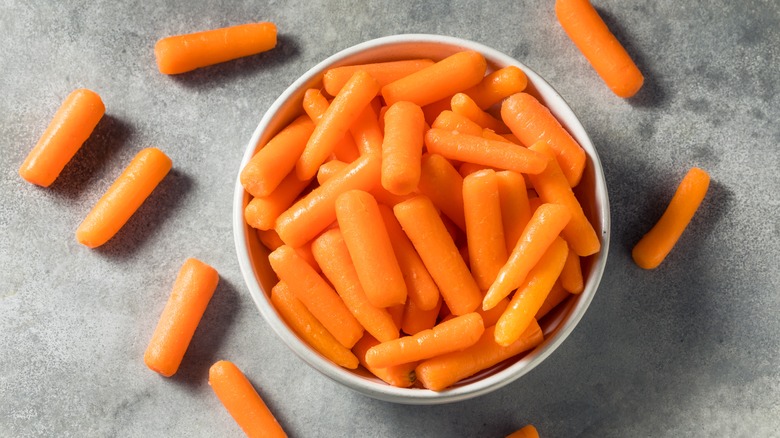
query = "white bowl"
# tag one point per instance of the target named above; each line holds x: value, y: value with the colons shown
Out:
x: 592, y: 191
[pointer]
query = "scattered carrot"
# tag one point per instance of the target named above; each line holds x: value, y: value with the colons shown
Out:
x: 452, y: 121
x: 542, y: 230
x: 422, y: 224
x: 328, y: 169
x: 402, y: 148
x: 416, y: 319
x: 464, y: 105
x: 72, y: 124
x: 440, y: 182
x: 571, y: 276
x: 401, y: 376
x: 444, y: 78
x: 261, y: 213
x: 501, y: 83
x: 556, y: 296
x: 653, y: 248
x: 123, y: 198
x: 366, y: 133
x: 384, y: 72
x: 443, y: 371
x: 484, y: 230
x: 242, y: 401
x: 526, y: 432
x: 591, y: 35
x: 531, y: 122
x: 315, y: 105
x: 302, y: 322
x: 192, y: 291
x: 183, y: 53
x: 515, y: 210
x: 456, y: 334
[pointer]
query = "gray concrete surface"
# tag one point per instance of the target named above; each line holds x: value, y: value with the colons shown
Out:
x: 690, y: 349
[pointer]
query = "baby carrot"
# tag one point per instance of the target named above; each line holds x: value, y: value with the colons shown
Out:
x: 556, y: 296
x: 366, y: 133
x: 463, y: 104
x: 440, y: 182
x: 591, y: 35
x: 269, y: 239
x: 552, y: 187
x: 433, y: 110
x: 491, y: 135
x: 315, y: 211
x: 452, y: 121
x: 397, y: 313
x: 542, y: 230
x: 328, y: 169
x: 189, y: 298
x: 422, y: 224
x: 315, y: 105
x: 571, y: 276
x: 401, y: 375
x: 445, y: 78
x: 530, y: 296
x: 416, y: 320
x: 479, y: 150
x: 498, y: 85
x: 402, y: 148
x: 383, y: 72
x: 345, y: 109
x: 183, y: 53
x: 515, y: 210
x: 419, y: 285
x: 484, y: 230
x: 453, y: 335
x: 72, y: 124
x: 315, y: 293
x: 531, y: 122
x: 653, y: 248
x: 332, y: 255
x: 274, y: 161
x: 490, y: 317
x: 369, y: 245
x: 261, y: 213
x: 123, y: 198
x: 302, y: 322
x: 526, y: 432
x: 242, y: 402
x: 466, y: 169
x: 382, y: 196
x: 443, y: 371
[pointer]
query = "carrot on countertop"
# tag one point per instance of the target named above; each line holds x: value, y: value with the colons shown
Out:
x: 654, y: 246
x: 542, y: 230
x: 515, y: 209
x: 443, y: 371
x: 484, y: 229
x: 440, y: 182
x: 456, y: 334
x: 525, y: 432
x: 591, y: 35
x: 416, y: 319
x: 401, y: 376
x: 366, y: 133
x: 123, y: 198
x: 261, y: 213
x: 451, y: 121
x: 501, y: 83
x: 402, y: 148
x: 311, y: 330
x: 192, y: 291
x: 315, y: 105
x: 70, y: 127
x: 571, y: 276
x: 430, y: 238
x: 384, y: 72
x: 530, y: 296
x: 333, y: 257
x: 242, y: 401
x: 531, y: 122
x: 274, y: 161
x: 455, y: 73
x: 315, y: 293
x: 464, y: 105
x: 556, y: 296
x: 183, y: 53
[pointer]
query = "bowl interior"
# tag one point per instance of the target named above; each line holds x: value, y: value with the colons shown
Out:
x: 253, y: 256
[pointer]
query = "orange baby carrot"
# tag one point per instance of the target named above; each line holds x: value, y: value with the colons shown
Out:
x: 189, y: 298
x: 72, y: 124
x: 315, y: 105
x: 604, y: 52
x: 452, y: 121
x: 515, y: 210
x: 328, y: 169
x: 419, y: 285
x: 384, y: 72
x: 484, y: 230
x: 183, y: 53
x: 466, y: 169
x: 491, y: 135
x: 526, y: 432
x: 498, y: 85
x: 402, y: 148
x: 315, y: 211
x: 453, y: 335
x: 422, y: 224
x: 463, y: 104
x: 416, y: 319
x: 332, y: 255
x: 315, y: 293
x: 445, y: 78
x: 369, y: 245
x: 261, y: 213
x: 542, y: 229
x: 531, y: 122
x: 443, y: 371
x: 490, y: 317
x: 433, y: 110
x: 653, y: 248
x: 123, y: 198
x: 302, y: 322
x: 552, y: 187
x: 242, y: 402
x: 366, y: 133
x: 269, y: 239
x: 479, y: 150
x: 531, y: 295
x: 274, y: 161
x: 342, y: 112
x: 397, y: 312
x: 440, y: 182
x: 571, y: 276
x: 556, y: 296
x: 401, y: 375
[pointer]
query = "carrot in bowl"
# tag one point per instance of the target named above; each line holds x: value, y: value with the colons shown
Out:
x: 383, y: 72
x: 401, y: 375
x: 498, y: 85
x: 464, y: 105
x: 402, y: 148
x: 315, y: 105
x: 515, y: 209
x: 183, y: 53
x: 443, y: 185
x: 72, y: 124
x: 484, y: 228
x: 261, y: 212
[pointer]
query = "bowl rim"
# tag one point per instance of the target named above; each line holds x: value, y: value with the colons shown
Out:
x: 376, y: 389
